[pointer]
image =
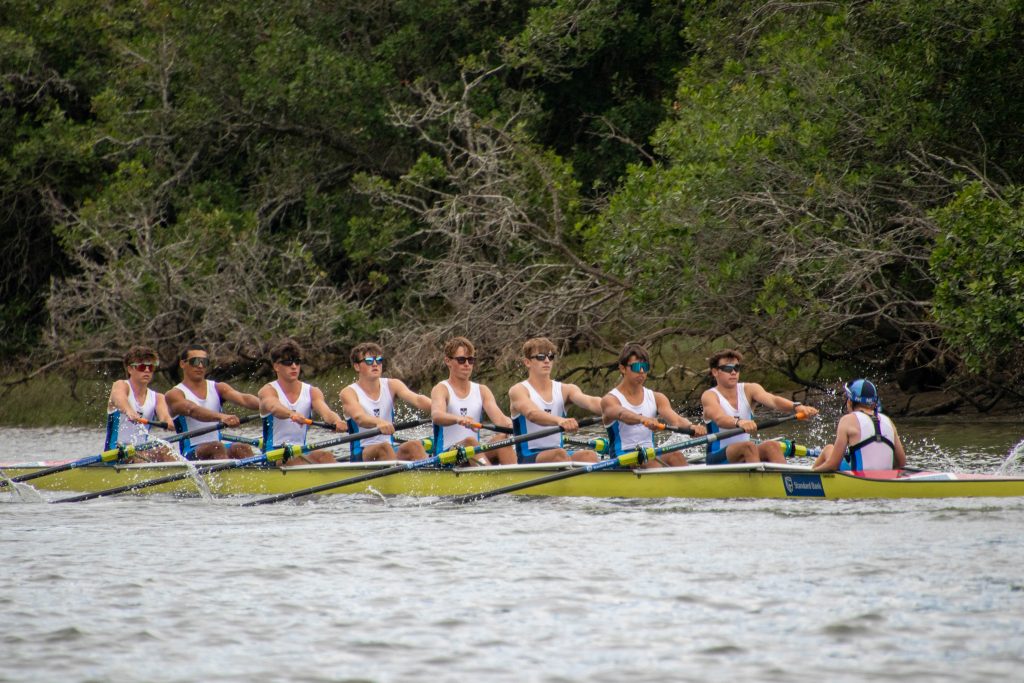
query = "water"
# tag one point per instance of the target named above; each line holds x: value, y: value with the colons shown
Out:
x: 360, y: 588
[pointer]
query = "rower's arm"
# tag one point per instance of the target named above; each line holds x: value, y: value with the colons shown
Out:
x: 270, y: 404
x: 901, y: 455
x: 119, y: 399
x: 418, y: 401
x: 439, y: 414
x: 829, y: 459
x: 177, y: 404
x: 492, y: 410
x: 319, y: 404
x: 575, y: 395
x: 713, y: 411
x: 162, y: 413
x: 229, y: 393
x: 354, y: 409
x: 670, y: 417
x: 520, y: 402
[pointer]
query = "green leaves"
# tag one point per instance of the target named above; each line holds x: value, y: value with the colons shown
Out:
x: 978, y: 264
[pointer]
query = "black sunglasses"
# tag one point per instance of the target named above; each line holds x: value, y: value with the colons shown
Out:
x: 198, y: 362
x: 731, y: 367
x: 542, y: 356
x: 462, y: 360
x: 288, y: 362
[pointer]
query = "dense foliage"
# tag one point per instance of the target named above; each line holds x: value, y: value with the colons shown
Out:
x: 816, y: 181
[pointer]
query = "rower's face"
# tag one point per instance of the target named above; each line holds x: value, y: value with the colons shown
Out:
x: 727, y: 372
x: 369, y: 367
x: 288, y: 368
x: 142, y: 371
x: 196, y: 365
x: 460, y: 364
x: 635, y: 370
x: 540, y: 363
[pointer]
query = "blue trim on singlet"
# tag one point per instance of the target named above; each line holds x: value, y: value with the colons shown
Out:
x: 715, y: 451
x: 615, y: 445
x: 524, y: 453
x: 268, y: 432
x: 113, y: 427
x: 356, y: 447
x: 185, y: 446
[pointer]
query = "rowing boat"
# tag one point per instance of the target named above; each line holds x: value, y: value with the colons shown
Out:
x: 762, y: 480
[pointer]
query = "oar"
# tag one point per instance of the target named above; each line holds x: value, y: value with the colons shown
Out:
x: 123, y: 451
x: 636, y: 457
x: 153, y: 423
x: 321, y: 425
x: 270, y: 456
x: 790, y: 449
x: 449, y: 457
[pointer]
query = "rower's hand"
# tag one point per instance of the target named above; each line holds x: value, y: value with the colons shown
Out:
x: 652, y: 424
x: 469, y: 422
x: 299, y: 419
x: 132, y: 415
x: 230, y: 420
x: 340, y: 425
x: 386, y: 428
x: 749, y: 426
x: 808, y: 411
x: 569, y: 424
x: 697, y: 429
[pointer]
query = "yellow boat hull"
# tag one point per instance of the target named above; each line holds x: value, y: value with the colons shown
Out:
x: 730, y: 481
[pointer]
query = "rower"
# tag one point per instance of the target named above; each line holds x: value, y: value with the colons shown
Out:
x: 865, y: 438
x: 287, y: 405
x: 369, y: 403
x: 196, y: 402
x: 132, y: 405
x: 728, y: 405
x: 631, y: 410
x: 458, y: 404
x: 538, y: 402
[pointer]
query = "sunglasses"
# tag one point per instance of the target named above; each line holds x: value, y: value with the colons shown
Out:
x: 542, y: 356
x: 731, y: 367
x: 145, y: 367
x: 288, y: 362
x: 462, y: 360
x: 639, y: 366
x: 374, y: 360
x: 198, y: 362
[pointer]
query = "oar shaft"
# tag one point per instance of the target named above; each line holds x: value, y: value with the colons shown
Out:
x: 120, y: 452
x: 376, y: 474
x: 276, y: 454
x: 630, y: 458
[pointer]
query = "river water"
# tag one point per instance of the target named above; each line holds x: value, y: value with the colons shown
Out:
x: 357, y: 588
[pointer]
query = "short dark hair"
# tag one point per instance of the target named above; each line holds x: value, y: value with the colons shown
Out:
x: 192, y: 347
x: 286, y: 348
x: 361, y: 351
x: 634, y: 349
x: 724, y: 353
x: 137, y: 354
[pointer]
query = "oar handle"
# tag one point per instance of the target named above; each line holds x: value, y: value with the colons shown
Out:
x: 153, y: 423
x: 318, y: 423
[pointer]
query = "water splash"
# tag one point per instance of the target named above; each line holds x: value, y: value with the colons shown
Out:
x: 1013, y: 459
x: 25, y: 493
x: 204, y: 490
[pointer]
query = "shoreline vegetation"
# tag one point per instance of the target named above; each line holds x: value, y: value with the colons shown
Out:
x: 838, y: 187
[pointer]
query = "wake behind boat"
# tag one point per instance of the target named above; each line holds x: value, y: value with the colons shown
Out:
x: 747, y: 480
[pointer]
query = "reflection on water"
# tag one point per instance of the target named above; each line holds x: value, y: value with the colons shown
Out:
x: 361, y: 588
